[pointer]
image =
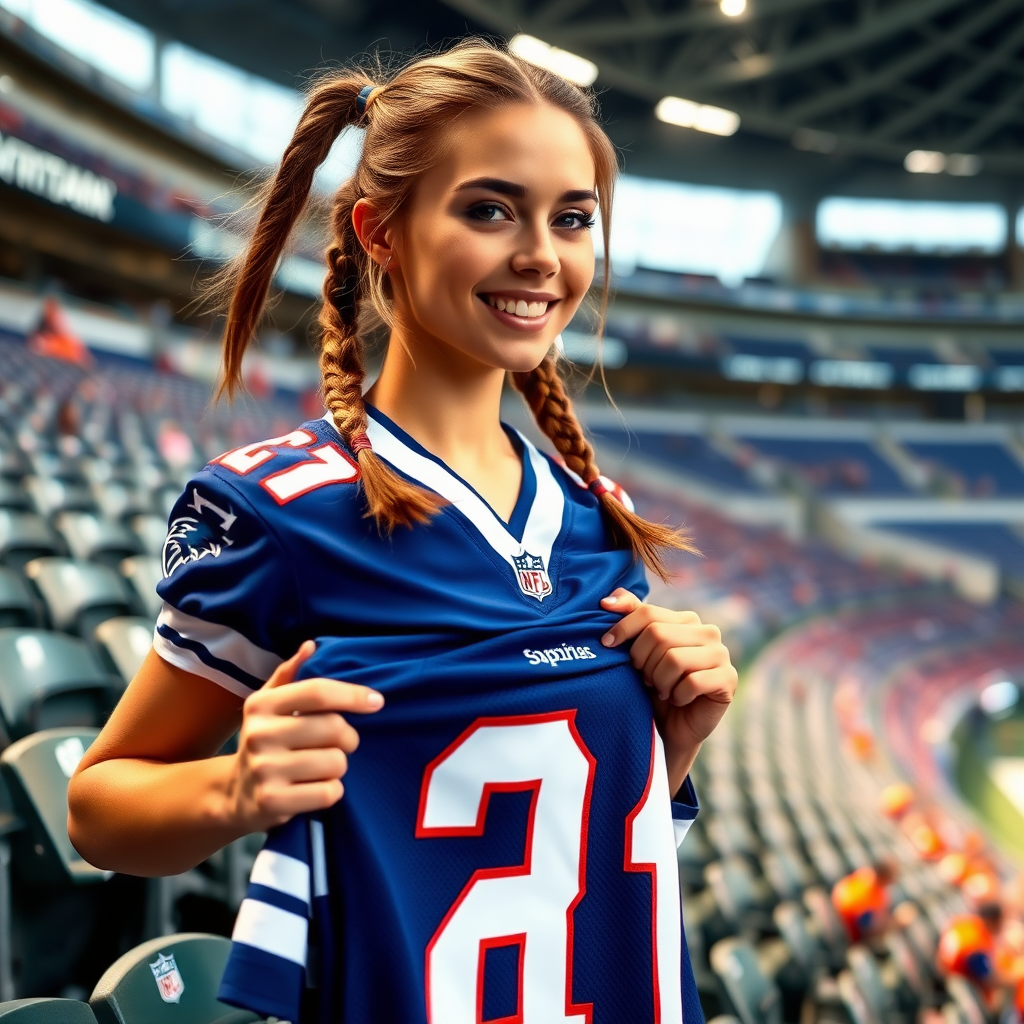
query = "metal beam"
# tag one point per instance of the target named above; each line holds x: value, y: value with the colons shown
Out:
x: 954, y: 89
x: 902, y: 67
x: 995, y: 118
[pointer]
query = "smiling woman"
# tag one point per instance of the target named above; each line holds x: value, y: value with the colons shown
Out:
x: 503, y: 846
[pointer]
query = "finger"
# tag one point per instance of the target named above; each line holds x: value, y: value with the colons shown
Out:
x: 281, y: 804
x: 319, y: 695
x: 285, y: 672
x: 678, y: 664
x: 621, y: 600
x: 299, y: 766
x: 660, y: 637
x: 301, y: 732
x: 717, y: 685
x: 632, y: 624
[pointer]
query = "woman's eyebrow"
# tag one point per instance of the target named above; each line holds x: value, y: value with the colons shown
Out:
x: 516, y: 191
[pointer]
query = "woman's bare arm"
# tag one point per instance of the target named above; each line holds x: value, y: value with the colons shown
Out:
x: 152, y: 798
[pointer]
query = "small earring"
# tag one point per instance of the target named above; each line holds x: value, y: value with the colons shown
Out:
x: 387, y: 264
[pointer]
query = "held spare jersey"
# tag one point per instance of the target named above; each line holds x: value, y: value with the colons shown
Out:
x: 506, y: 846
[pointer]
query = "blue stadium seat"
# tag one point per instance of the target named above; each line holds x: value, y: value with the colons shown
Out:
x: 170, y: 980
x: 79, y: 595
x: 17, y: 607
x: 50, y: 679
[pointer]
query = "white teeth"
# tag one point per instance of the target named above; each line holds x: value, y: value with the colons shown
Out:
x: 518, y: 307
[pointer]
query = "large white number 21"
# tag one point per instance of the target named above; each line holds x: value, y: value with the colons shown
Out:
x: 531, y: 905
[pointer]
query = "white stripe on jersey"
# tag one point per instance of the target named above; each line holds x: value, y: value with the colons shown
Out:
x: 273, y: 930
x: 543, y: 524
x: 281, y: 872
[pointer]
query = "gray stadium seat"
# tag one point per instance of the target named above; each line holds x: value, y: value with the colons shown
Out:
x: 12, y: 464
x: 36, y: 769
x: 880, y: 998
x: 14, y: 496
x: 143, y: 573
x: 731, y: 834
x: 693, y: 856
x: 53, y: 465
x: 92, y: 539
x: 24, y: 536
x: 77, y: 595
x: 49, y: 679
x: 128, y: 992
x: 827, y: 923
x: 805, y: 948
x: 17, y: 607
x: 151, y: 531
x: 787, y: 872
x: 46, y: 1011
x: 119, y: 501
x: 755, y: 997
x: 125, y: 641
x: 739, y: 895
x: 50, y: 496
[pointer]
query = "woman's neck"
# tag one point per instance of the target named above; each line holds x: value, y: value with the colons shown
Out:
x: 450, y: 405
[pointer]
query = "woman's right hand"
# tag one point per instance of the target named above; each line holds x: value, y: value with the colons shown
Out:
x: 294, y: 744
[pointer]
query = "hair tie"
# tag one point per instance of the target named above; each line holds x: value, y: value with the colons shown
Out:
x: 597, y: 488
x: 358, y: 442
x: 365, y: 97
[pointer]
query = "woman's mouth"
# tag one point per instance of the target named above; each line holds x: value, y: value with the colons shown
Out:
x: 519, y: 312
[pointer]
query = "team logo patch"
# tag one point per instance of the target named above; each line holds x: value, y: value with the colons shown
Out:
x: 168, y: 978
x: 532, y: 575
x: 191, y: 538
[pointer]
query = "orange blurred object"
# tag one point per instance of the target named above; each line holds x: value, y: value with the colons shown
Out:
x: 861, y: 902
x: 896, y: 800
x: 926, y: 841
x: 967, y: 948
x: 981, y: 886
x: 862, y: 744
x: 55, y: 337
x: 952, y: 868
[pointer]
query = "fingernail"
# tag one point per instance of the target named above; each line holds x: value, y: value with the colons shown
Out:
x: 662, y: 696
x: 612, y: 599
x: 608, y: 639
x: 374, y: 700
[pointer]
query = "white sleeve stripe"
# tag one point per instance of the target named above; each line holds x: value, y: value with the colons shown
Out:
x: 681, y: 826
x: 319, y: 858
x: 191, y: 662
x: 273, y: 930
x: 281, y: 872
x: 222, y: 642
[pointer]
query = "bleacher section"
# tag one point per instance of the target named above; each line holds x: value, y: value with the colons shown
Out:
x: 981, y: 470
x: 997, y: 541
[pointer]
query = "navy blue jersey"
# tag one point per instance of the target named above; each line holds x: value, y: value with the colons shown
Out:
x: 506, y: 846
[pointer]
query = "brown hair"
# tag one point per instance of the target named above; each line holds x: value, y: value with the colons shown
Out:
x: 405, y: 119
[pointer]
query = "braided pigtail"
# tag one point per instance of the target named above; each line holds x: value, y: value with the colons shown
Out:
x: 391, y: 499
x: 552, y: 408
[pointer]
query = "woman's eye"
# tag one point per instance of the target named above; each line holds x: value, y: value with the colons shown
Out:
x: 490, y: 213
x: 574, y: 220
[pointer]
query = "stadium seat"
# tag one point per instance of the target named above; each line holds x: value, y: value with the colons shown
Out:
x: 36, y: 769
x: 730, y: 834
x: 12, y: 464
x: 754, y: 996
x: 739, y: 895
x: 787, y: 872
x: 24, y: 536
x: 693, y: 856
x: 77, y: 595
x: 879, y: 997
x: 13, y: 496
x: 805, y: 948
x: 143, y: 573
x: 119, y: 500
x: 151, y: 531
x: 92, y: 539
x: 49, y: 679
x: 826, y: 923
x: 968, y: 1006
x: 46, y: 1011
x: 171, y: 979
x: 17, y: 607
x: 50, y: 496
x: 124, y: 642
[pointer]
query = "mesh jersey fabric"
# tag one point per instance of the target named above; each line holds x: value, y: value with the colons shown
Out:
x: 505, y: 848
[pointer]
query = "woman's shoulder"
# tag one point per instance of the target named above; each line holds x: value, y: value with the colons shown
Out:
x: 286, y: 475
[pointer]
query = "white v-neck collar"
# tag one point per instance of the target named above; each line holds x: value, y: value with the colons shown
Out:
x: 543, y: 524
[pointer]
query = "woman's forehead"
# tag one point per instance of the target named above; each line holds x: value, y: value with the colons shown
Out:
x: 535, y: 145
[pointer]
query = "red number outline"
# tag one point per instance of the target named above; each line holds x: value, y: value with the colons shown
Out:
x: 263, y: 455
x: 312, y: 487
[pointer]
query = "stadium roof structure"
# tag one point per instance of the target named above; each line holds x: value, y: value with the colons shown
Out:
x: 856, y: 84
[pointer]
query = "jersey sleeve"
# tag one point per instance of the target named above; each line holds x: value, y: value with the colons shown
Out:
x: 231, y: 611
x: 684, y: 810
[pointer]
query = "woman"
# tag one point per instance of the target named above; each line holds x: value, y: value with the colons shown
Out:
x: 503, y: 844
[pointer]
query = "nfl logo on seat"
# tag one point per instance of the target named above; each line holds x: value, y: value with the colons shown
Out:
x: 168, y: 978
x: 532, y: 575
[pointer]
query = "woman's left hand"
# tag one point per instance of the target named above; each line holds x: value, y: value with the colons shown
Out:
x: 685, y: 662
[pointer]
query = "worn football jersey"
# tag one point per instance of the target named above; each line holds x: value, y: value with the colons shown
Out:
x: 506, y: 846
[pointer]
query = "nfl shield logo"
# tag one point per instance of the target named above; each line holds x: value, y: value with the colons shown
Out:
x: 168, y: 978
x: 532, y: 575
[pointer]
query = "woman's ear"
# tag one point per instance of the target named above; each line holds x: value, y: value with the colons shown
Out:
x: 366, y: 221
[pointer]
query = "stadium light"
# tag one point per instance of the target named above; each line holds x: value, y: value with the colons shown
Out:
x: 998, y: 699
x: 702, y: 116
x: 925, y: 161
x: 963, y: 165
x: 733, y: 8
x: 568, y: 65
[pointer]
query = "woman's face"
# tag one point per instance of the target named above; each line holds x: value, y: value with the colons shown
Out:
x: 493, y: 254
